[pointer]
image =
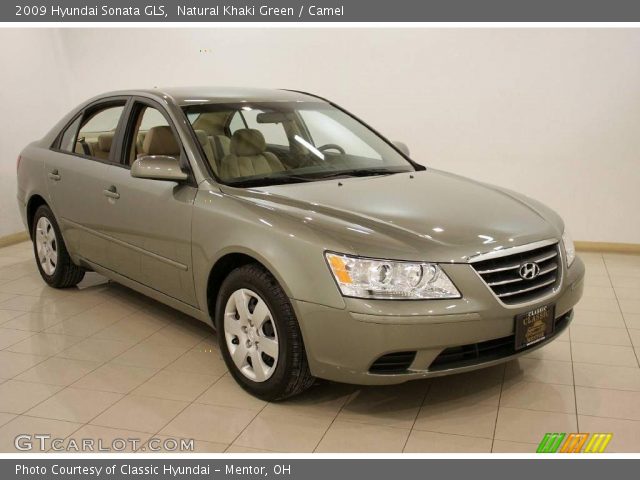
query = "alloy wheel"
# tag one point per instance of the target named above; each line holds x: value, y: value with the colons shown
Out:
x: 46, y: 246
x: 251, y: 335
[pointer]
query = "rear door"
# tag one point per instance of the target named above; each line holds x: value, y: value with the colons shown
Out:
x: 149, y: 221
x: 75, y: 170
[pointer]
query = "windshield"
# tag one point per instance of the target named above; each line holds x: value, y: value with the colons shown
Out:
x: 250, y: 144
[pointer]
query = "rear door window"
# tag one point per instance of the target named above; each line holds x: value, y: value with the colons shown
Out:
x: 97, y: 132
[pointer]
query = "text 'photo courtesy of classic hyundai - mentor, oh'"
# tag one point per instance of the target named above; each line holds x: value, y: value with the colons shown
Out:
x: 313, y: 245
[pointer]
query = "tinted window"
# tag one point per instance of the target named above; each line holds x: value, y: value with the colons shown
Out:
x: 68, y: 139
x: 97, y: 132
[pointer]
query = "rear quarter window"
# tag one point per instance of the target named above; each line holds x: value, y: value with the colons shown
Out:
x: 68, y: 138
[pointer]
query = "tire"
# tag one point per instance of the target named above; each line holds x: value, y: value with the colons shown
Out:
x: 52, y: 257
x: 289, y: 373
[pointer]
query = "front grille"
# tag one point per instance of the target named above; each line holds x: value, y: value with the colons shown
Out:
x: 502, y: 274
x: 475, y: 353
x: 397, y: 362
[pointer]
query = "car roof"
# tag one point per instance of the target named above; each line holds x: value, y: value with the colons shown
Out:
x: 196, y: 95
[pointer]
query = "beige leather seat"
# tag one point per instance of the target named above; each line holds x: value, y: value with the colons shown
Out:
x: 221, y: 146
x: 102, y: 149
x: 160, y: 141
x: 207, y: 147
x: 248, y: 156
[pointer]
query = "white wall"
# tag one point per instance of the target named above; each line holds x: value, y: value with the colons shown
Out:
x: 553, y: 113
x: 33, y: 94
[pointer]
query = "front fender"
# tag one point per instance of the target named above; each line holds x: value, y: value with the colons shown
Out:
x: 292, y: 251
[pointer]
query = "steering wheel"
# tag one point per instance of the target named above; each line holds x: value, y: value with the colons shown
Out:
x: 331, y: 146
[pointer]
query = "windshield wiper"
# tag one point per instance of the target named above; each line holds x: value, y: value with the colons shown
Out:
x: 269, y: 180
x: 361, y: 172
x: 287, y: 179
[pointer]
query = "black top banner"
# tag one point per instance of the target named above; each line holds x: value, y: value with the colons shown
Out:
x: 320, y: 11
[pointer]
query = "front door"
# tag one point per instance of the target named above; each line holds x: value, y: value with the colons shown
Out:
x: 149, y: 221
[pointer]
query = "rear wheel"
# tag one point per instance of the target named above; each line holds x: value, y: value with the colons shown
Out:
x: 259, y: 335
x: 54, y: 263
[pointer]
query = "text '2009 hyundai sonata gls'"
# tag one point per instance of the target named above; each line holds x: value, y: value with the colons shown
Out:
x: 313, y: 245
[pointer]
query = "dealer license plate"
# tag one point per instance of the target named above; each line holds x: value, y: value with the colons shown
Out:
x: 534, y: 326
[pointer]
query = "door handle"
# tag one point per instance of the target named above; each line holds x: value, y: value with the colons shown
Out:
x: 111, y: 192
x: 54, y: 175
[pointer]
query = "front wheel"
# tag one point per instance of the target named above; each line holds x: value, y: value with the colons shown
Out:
x: 259, y: 335
x: 55, y: 266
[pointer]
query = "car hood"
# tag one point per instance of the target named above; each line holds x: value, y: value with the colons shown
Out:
x: 430, y: 214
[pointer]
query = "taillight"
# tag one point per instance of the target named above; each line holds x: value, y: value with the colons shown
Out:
x: 18, y: 162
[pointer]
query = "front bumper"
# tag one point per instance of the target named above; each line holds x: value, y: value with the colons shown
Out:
x: 343, y: 344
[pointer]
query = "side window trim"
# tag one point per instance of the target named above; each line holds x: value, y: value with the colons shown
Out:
x: 134, y: 109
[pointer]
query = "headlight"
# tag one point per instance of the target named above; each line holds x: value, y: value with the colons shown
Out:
x: 569, y: 247
x: 387, y: 279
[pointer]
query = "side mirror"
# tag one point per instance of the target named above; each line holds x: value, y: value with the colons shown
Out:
x: 402, y: 147
x: 158, y: 167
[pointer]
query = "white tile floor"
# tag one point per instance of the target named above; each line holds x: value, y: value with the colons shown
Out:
x: 104, y: 362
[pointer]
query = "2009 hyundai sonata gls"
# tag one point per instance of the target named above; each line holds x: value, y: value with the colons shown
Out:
x: 315, y: 247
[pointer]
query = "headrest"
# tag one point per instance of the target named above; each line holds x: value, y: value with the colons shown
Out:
x: 160, y: 141
x: 247, y: 142
x: 202, y: 137
x: 104, y: 142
